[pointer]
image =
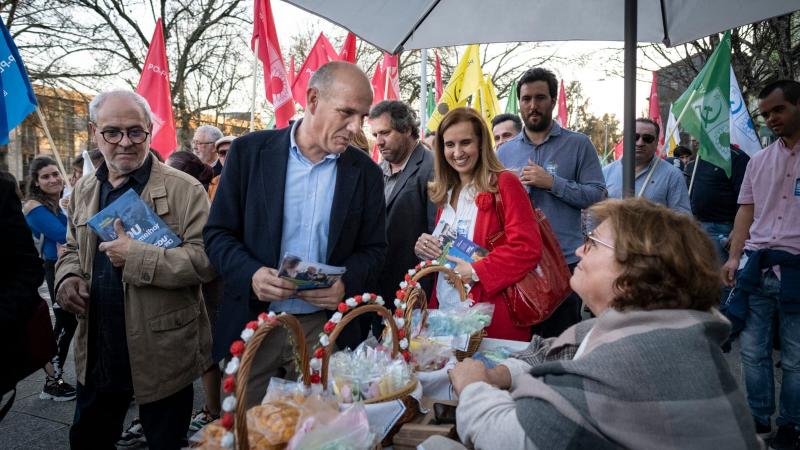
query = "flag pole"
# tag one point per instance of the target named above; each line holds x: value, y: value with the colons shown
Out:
x: 423, y: 91
x: 694, y: 172
x: 53, y: 146
x: 253, y: 97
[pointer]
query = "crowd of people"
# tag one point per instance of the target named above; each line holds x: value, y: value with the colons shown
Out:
x: 653, y: 272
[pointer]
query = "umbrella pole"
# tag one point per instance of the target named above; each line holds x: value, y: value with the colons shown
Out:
x: 629, y: 115
x: 423, y: 91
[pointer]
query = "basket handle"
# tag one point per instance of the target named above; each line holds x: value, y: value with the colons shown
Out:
x: 459, y: 284
x: 292, y: 326
x: 343, y: 323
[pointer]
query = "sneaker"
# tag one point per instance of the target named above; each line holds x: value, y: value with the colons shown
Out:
x: 58, y: 390
x: 134, y: 435
x: 200, y: 419
x: 785, y: 438
x: 763, y: 431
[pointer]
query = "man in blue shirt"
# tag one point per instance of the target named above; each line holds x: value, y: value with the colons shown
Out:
x: 562, y: 172
x: 656, y: 180
x: 305, y: 191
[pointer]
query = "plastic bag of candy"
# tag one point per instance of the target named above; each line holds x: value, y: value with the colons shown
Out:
x: 348, y: 430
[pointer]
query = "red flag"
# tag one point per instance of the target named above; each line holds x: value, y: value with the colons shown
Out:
x: 562, y: 106
x: 348, y: 52
x: 618, y: 150
x: 438, y: 72
x: 320, y: 54
x: 154, y: 86
x: 290, y: 74
x: 392, y: 87
x: 268, y: 49
x: 378, y: 84
x: 655, y: 110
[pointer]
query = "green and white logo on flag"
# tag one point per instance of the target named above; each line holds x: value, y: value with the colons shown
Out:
x: 709, y: 109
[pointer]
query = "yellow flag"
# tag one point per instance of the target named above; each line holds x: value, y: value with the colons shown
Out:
x: 466, y: 80
x: 490, y: 106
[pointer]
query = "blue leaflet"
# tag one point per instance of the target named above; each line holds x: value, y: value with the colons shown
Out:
x: 139, y: 221
x: 463, y: 248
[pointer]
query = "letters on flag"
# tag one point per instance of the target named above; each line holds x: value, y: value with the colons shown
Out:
x: 154, y: 87
x: 276, y: 81
x: 743, y: 133
x: 18, y: 99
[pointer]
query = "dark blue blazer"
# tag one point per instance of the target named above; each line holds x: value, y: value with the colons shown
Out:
x: 245, y: 227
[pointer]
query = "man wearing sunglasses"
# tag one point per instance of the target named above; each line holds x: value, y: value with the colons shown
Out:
x: 656, y: 180
x: 142, y: 326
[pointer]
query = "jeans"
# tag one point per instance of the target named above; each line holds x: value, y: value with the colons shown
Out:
x: 64, y: 326
x: 719, y: 233
x: 757, y: 364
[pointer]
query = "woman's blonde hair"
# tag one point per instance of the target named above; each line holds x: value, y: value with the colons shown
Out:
x: 667, y: 260
x: 486, y: 169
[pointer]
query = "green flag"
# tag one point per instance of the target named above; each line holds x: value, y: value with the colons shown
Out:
x: 431, y: 102
x: 708, y: 101
x: 512, y: 103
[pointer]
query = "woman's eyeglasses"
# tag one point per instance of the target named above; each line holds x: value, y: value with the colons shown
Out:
x: 589, y: 241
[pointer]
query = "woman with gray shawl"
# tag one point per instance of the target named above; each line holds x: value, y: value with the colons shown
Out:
x: 647, y: 372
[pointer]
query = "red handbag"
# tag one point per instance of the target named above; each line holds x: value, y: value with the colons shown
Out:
x: 533, y: 299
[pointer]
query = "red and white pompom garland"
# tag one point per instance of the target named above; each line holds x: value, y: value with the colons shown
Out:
x: 315, y: 363
x: 231, y: 369
x: 400, y: 300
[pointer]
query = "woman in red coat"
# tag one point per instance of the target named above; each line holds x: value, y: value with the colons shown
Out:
x: 467, y: 174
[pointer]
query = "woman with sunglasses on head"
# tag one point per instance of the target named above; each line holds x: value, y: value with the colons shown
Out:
x: 656, y: 180
x: 468, y: 179
x: 647, y: 372
x: 48, y: 222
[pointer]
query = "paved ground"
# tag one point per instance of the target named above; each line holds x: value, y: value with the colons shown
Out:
x: 44, y: 424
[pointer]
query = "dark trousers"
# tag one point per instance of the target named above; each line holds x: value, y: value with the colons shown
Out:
x: 565, y: 316
x: 65, y: 324
x: 99, y: 417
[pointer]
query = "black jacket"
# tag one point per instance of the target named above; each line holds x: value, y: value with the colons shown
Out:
x: 244, y: 227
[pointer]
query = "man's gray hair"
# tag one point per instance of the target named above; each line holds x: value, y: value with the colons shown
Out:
x: 99, y: 99
x: 402, y: 117
x: 213, y: 132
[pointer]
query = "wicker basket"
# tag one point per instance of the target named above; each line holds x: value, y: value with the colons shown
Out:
x: 415, y: 296
x: 301, y: 361
x: 404, y: 394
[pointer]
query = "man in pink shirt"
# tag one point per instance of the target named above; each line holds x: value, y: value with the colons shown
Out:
x: 765, y: 260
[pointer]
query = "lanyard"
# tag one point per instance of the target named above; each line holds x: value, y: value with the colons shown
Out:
x: 649, y: 174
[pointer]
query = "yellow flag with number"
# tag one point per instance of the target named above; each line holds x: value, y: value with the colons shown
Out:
x: 466, y: 80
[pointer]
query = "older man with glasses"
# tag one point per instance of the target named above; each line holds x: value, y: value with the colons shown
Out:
x: 142, y: 327
x: 656, y: 180
x: 204, y: 146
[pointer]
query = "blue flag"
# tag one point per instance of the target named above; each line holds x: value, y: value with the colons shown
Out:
x: 17, y: 100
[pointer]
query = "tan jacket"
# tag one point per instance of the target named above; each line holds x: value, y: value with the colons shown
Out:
x: 169, y: 337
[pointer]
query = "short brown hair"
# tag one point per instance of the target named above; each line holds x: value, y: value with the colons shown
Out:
x: 486, y: 169
x: 667, y: 260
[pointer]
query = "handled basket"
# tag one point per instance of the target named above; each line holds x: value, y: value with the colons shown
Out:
x: 415, y: 296
x: 296, y: 335
x: 403, y: 394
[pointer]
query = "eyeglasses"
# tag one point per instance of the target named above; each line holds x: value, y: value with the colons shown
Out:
x: 115, y: 136
x: 202, y: 143
x: 647, y: 138
x: 589, y: 241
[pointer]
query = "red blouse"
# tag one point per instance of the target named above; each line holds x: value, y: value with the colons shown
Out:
x: 513, y: 256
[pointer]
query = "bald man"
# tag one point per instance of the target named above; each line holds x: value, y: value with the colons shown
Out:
x: 302, y: 190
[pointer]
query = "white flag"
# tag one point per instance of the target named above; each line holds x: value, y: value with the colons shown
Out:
x: 672, y: 137
x: 743, y: 133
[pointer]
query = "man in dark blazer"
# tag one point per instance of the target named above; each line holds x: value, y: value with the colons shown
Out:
x: 407, y: 167
x: 306, y: 191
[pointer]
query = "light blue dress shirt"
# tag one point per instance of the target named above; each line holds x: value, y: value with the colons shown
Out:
x: 307, y: 200
x: 666, y: 186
